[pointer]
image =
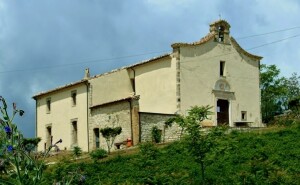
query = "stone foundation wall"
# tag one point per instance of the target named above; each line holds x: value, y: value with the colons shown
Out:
x: 110, y: 115
x: 149, y: 120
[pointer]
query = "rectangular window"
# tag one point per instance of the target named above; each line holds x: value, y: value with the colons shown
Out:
x: 222, y: 68
x: 74, y: 133
x: 48, y: 102
x: 73, y: 95
x: 48, y: 136
x: 244, y: 115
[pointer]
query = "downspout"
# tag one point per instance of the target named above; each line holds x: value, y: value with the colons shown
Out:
x: 133, y: 86
x: 261, y: 124
x: 87, y: 114
x: 130, y: 112
x: 130, y: 104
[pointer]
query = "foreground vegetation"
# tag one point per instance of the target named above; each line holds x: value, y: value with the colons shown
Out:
x: 269, y: 157
x: 217, y: 156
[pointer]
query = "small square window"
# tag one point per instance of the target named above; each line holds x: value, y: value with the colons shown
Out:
x: 244, y: 115
x: 48, y: 102
x: 73, y: 95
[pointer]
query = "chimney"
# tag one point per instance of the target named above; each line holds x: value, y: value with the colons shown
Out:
x: 87, y: 73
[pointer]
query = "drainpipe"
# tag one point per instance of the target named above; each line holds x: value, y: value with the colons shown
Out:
x: 130, y: 106
x: 133, y: 86
x: 87, y: 114
x: 129, y: 101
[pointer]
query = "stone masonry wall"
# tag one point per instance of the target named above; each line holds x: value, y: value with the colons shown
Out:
x: 149, y: 120
x: 110, y: 115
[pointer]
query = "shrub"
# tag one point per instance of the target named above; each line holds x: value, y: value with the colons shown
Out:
x: 77, y: 151
x: 98, y: 154
x: 148, y: 153
x: 156, y: 134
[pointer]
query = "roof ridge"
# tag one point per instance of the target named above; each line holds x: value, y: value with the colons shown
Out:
x: 203, y: 40
x: 130, y: 66
x: 240, y: 49
x: 99, y: 75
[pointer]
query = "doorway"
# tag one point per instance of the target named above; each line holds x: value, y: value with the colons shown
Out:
x: 222, y: 112
x: 96, y: 138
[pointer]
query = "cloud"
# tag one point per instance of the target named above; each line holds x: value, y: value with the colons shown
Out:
x: 46, y: 44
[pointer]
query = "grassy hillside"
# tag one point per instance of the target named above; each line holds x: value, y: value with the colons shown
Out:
x: 258, y: 157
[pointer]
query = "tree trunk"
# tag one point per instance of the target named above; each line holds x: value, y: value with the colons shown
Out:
x: 202, y: 172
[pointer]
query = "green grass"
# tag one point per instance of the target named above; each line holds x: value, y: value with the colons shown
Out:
x: 268, y: 157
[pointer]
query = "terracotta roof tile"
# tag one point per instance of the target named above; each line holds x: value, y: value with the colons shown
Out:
x: 103, y: 74
x: 203, y: 40
x: 133, y: 65
x: 59, y: 88
x: 115, y: 101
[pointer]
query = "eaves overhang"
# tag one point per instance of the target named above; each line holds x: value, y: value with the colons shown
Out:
x: 114, y: 101
x: 59, y: 88
x: 203, y: 40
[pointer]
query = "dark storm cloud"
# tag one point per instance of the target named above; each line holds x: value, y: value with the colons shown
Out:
x: 44, y: 44
x: 38, y: 34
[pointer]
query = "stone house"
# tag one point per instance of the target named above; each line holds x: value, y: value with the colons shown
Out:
x: 213, y: 71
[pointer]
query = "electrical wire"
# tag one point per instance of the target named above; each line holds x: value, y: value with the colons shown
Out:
x: 148, y: 53
x: 255, y: 47
x: 268, y: 33
x: 85, y: 62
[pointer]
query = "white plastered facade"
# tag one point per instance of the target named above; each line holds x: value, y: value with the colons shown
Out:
x: 214, y: 71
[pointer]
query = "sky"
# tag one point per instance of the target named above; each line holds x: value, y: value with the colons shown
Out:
x: 45, y: 44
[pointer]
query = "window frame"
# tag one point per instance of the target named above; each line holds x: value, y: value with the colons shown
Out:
x: 222, y: 68
x: 74, y: 132
x: 48, y: 105
x: 74, y: 98
x: 244, y: 115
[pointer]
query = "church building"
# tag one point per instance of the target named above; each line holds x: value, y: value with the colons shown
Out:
x: 213, y: 71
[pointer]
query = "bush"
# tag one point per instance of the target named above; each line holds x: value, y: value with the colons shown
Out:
x: 77, y: 151
x: 156, y: 134
x: 268, y: 157
x: 98, y: 154
x: 148, y: 154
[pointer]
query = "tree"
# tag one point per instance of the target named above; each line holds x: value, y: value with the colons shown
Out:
x: 293, y: 88
x: 276, y: 91
x: 293, y: 91
x: 273, y: 92
x: 198, y: 142
x: 294, y: 105
x: 110, y: 134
